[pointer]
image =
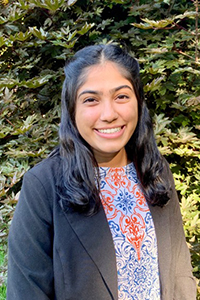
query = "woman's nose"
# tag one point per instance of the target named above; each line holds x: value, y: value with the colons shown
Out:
x: 108, y: 112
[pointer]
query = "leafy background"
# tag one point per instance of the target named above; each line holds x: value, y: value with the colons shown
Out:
x: 37, y: 36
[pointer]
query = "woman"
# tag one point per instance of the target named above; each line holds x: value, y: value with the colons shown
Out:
x: 100, y: 219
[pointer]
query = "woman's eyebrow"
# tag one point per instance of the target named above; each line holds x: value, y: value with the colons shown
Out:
x: 121, y: 87
x: 89, y: 92
x: 111, y: 91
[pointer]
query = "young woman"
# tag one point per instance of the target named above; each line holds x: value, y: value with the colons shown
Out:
x: 99, y: 219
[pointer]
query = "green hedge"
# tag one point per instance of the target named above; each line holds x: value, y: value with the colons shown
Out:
x: 37, y: 36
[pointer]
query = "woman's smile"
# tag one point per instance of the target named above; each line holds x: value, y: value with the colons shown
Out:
x: 110, y: 130
x: 110, y: 133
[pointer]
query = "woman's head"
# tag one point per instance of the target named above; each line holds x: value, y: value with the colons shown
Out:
x: 78, y: 156
x: 77, y: 71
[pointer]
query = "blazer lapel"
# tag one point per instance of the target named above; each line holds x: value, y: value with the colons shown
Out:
x: 161, y: 222
x: 94, y: 234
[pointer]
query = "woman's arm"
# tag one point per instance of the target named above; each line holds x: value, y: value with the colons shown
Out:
x: 184, y: 285
x: 30, y: 268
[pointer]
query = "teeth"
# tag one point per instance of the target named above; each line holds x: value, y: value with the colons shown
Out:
x: 112, y: 130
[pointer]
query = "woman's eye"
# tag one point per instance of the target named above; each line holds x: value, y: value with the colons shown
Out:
x: 121, y: 97
x: 89, y: 100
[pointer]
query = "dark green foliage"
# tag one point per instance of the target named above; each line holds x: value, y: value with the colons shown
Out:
x: 2, y: 272
x: 37, y: 36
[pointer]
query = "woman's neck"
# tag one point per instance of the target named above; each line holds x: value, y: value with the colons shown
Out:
x: 111, y: 160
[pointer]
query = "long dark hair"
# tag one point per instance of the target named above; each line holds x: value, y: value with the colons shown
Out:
x: 78, y: 183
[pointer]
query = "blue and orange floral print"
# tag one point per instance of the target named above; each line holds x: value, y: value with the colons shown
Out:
x: 133, y: 233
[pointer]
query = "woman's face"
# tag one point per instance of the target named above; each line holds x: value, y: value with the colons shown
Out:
x: 106, y: 113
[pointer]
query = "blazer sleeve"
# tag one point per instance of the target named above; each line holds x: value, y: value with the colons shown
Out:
x: 30, y: 274
x: 184, y: 285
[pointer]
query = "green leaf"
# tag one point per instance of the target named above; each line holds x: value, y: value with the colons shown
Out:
x: 52, y: 5
x: 71, y: 2
x: 154, y: 85
x: 40, y: 34
x: 21, y: 36
x: 2, y: 20
x: 2, y: 41
x: 86, y: 28
x: 27, y: 124
x: 186, y: 14
x: 65, y: 44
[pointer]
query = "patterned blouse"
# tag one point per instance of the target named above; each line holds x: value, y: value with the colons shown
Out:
x: 133, y: 233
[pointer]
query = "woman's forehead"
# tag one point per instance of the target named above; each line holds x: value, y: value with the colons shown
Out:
x: 91, y: 71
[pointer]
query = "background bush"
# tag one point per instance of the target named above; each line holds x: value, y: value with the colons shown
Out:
x: 37, y: 36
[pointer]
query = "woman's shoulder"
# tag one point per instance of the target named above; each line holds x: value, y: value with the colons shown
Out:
x: 167, y: 173
x: 173, y: 205
x: 47, y: 170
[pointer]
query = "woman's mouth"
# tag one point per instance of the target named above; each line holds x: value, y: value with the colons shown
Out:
x: 110, y: 130
x: 110, y: 133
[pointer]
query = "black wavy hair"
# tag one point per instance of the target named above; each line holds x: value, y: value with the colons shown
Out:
x: 78, y: 183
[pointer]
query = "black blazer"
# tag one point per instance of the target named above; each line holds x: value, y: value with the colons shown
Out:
x: 61, y: 254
